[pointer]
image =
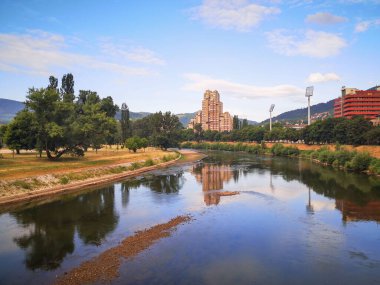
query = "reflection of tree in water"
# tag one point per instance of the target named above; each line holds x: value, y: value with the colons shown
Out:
x: 358, y: 192
x: 98, y: 217
x: 169, y: 183
x: 52, y: 227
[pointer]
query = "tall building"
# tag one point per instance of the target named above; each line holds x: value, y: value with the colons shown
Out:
x: 212, y: 116
x: 354, y: 102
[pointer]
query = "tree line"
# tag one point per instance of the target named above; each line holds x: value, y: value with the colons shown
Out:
x: 58, y: 122
x: 355, y: 131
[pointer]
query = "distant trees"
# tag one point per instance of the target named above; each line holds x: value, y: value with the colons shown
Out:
x: 355, y: 131
x: 161, y: 129
x: 344, y: 131
x: 134, y: 143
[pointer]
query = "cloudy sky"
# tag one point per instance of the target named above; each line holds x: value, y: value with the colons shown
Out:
x: 163, y: 54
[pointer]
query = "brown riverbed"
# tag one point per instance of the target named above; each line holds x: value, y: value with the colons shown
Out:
x: 105, y: 267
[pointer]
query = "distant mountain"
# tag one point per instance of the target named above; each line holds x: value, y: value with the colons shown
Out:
x: 301, y: 114
x: 8, y: 109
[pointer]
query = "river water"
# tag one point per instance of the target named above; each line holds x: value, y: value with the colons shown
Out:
x: 293, y: 223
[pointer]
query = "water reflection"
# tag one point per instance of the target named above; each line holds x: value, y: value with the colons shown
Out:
x: 359, y: 193
x: 51, y: 231
x: 51, y: 228
x: 212, y: 177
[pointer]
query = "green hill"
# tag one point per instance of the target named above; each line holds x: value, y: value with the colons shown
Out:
x: 8, y: 109
x: 301, y: 114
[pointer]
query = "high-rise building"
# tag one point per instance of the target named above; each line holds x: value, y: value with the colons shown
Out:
x: 212, y: 116
x: 354, y: 102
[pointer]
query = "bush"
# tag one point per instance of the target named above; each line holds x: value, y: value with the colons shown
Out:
x: 323, y: 156
x: 149, y: 162
x: 64, y: 180
x: 360, y: 162
x: 134, y: 166
x: 374, y: 167
x: 344, y: 156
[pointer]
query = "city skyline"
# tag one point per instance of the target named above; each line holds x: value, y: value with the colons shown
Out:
x: 163, y: 55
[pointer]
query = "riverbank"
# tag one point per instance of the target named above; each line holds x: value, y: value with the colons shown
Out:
x: 47, y: 185
x: 341, y: 158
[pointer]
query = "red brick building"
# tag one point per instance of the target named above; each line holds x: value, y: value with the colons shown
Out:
x: 354, y: 102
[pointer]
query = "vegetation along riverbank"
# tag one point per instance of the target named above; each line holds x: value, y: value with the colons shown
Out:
x: 339, y: 157
x: 30, y: 178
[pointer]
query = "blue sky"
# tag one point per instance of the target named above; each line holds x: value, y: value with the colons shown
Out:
x: 163, y: 55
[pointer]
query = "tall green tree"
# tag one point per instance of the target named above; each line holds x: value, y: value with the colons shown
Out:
x: 125, y: 123
x: 235, y: 123
x: 67, y: 88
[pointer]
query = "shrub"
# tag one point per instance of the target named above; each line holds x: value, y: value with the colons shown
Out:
x: 21, y: 184
x: 64, y: 180
x: 134, y: 166
x: 343, y: 156
x: 360, y: 162
x: 323, y: 156
x: 374, y: 167
x: 149, y: 162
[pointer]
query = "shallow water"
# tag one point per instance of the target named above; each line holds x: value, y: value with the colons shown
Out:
x: 293, y: 223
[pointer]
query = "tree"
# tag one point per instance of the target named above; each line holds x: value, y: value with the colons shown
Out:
x: 163, y: 130
x: 372, y: 137
x: 244, y: 123
x: 53, y: 82
x: 65, y: 126
x: 3, y: 129
x: 124, y: 122
x: 20, y: 133
x: 107, y: 106
x: 134, y: 143
x: 67, y: 88
x: 235, y: 123
x: 198, y: 132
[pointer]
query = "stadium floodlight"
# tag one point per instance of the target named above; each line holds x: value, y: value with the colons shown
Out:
x: 270, y: 116
x: 308, y: 94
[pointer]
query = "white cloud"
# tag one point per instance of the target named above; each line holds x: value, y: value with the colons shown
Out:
x: 240, y: 15
x: 136, y: 54
x: 365, y: 25
x: 200, y: 83
x: 40, y: 53
x: 311, y: 43
x: 325, y: 18
x: 319, y: 77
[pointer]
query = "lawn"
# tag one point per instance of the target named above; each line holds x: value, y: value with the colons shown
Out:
x: 28, y: 164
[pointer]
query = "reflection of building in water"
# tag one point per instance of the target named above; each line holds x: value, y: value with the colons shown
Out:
x: 355, y: 212
x: 212, y: 177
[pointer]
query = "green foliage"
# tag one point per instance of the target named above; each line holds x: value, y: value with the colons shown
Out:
x: 20, y: 133
x: 64, y: 180
x: 281, y: 150
x: 149, y: 162
x: 162, y: 129
x: 53, y: 122
x: 133, y: 143
x: 374, y: 167
x: 360, y: 162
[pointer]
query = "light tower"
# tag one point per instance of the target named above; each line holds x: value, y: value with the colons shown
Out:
x: 270, y: 116
x: 308, y: 94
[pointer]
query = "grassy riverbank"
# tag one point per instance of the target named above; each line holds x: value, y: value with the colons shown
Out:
x: 340, y: 158
x: 27, y: 175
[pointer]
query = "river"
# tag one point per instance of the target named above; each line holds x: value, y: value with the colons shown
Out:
x: 292, y: 223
